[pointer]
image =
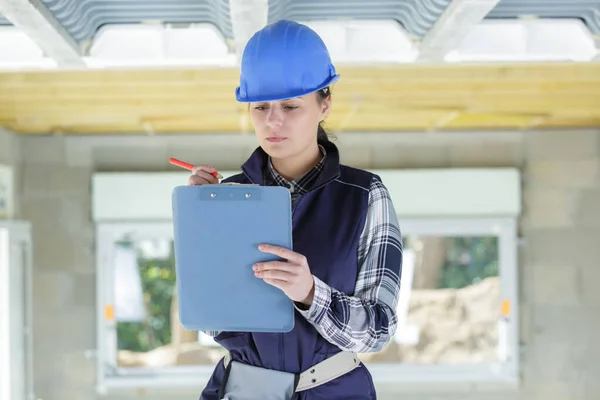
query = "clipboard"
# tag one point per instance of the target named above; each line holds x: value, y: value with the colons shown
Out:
x: 217, y: 230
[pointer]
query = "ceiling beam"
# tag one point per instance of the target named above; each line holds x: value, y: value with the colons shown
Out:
x: 247, y: 17
x: 452, y: 27
x: 37, y: 22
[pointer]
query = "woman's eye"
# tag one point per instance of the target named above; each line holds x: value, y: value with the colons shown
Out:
x: 290, y: 107
x: 260, y: 108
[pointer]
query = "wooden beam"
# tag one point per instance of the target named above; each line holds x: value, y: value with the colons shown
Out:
x: 391, y: 98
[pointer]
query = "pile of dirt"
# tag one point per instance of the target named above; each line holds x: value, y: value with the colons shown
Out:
x: 455, y: 326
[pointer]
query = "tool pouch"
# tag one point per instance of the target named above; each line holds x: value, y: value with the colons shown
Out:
x: 246, y: 382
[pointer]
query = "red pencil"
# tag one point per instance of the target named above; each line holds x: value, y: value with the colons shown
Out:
x: 189, y: 166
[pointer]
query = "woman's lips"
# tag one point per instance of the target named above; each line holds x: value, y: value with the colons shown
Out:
x: 276, y: 139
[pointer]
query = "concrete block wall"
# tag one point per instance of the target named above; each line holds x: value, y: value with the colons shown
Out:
x: 55, y: 198
x: 561, y: 264
x: 10, y: 149
x: 559, y: 258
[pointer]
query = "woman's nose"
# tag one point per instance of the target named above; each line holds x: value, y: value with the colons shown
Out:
x: 274, y: 117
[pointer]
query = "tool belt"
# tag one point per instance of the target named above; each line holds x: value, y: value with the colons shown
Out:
x: 246, y: 382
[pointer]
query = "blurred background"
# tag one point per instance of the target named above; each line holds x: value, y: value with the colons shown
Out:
x: 481, y: 116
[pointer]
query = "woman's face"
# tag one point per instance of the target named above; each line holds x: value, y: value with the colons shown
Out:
x: 288, y: 128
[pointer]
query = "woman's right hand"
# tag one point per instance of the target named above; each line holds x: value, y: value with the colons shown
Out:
x: 201, y: 175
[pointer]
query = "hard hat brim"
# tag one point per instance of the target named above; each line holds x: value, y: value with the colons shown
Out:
x: 278, y: 97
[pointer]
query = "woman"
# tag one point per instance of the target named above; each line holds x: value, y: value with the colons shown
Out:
x: 344, y: 273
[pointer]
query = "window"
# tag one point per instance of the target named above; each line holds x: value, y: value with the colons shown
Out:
x: 453, y: 308
x: 159, y: 45
x: 458, y: 309
x: 544, y: 39
x: 457, y: 297
x: 365, y: 41
x: 18, y: 51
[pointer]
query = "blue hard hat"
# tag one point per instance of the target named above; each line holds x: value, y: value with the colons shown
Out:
x: 285, y: 59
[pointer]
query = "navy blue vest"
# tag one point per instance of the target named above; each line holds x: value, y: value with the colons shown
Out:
x: 327, y: 224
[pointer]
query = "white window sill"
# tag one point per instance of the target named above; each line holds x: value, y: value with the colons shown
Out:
x: 184, y: 383
x: 444, y: 378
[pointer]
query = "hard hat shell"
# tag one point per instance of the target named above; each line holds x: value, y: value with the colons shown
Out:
x: 283, y: 60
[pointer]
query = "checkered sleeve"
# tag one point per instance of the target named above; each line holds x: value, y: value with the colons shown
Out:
x: 367, y: 320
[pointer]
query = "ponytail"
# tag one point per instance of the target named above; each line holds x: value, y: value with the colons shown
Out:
x: 322, y: 135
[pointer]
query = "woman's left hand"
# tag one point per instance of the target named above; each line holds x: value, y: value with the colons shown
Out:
x: 293, y: 276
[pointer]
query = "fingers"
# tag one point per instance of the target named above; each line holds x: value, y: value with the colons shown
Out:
x: 195, y: 180
x: 283, y: 253
x: 205, y: 168
x: 276, y: 274
x: 276, y: 265
x: 283, y: 285
x: 201, y: 175
x: 209, y: 177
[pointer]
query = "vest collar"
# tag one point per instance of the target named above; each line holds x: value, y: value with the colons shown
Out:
x: 257, y: 163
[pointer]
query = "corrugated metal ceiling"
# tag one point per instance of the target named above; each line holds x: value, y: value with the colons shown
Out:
x: 586, y: 10
x: 416, y: 16
x: 83, y: 18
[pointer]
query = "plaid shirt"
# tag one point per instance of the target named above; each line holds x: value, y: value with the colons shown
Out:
x: 366, y: 321
x: 299, y: 186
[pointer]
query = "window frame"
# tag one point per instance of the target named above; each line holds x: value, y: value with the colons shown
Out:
x: 390, y: 377
x: 16, y: 310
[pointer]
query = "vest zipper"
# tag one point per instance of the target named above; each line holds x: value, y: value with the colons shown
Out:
x: 296, y: 205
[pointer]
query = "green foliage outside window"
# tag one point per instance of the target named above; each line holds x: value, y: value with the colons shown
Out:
x: 469, y: 260
x: 158, y: 284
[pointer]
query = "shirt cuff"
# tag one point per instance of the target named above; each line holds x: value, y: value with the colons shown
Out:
x: 320, y: 304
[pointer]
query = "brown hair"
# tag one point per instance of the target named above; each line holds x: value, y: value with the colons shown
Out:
x: 322, y: 95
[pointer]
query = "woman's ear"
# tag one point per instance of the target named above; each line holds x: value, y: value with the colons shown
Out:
x: 325, y: 107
